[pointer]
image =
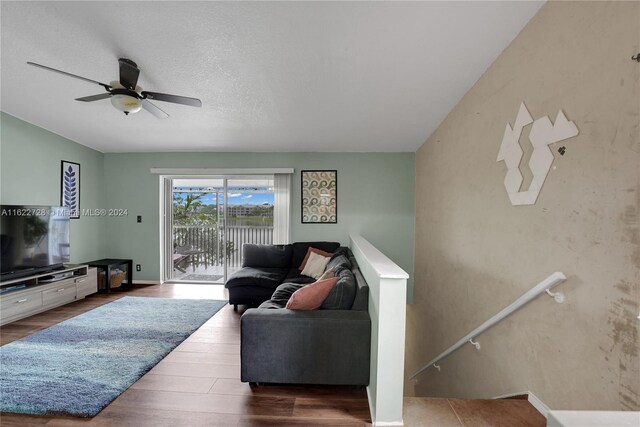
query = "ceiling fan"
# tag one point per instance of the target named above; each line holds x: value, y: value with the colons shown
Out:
x: 126, y: 95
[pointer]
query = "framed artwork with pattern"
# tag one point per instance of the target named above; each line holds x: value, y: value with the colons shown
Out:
x: 319, y: 196
x: 70, y: 187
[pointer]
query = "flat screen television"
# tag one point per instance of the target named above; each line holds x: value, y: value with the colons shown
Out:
x: 33, y: 239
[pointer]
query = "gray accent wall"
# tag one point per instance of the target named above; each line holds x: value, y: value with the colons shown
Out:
x: 476, y: 253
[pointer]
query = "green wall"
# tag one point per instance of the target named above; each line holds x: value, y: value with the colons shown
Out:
x: 375, y: 199
x: 30, y: 174
x: 375, y: 193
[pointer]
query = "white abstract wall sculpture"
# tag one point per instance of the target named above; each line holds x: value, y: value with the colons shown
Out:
x: 542, y: 133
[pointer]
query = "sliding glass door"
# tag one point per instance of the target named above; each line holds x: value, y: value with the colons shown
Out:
x: 249, y: 216
x: 208, y: 220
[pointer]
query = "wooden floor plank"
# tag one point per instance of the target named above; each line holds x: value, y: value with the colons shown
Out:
x: 199, y: 370
x: 19, y: 420
x: 200, y: 357
x: 262, y: 421
x: 211, y: 403
x: 326, y: 408
x: 181, y: 390
x: 120, y: 416
x: 203, y: 347
x: 174, y: 383
x: 214, y: 337
x: 230, y: 386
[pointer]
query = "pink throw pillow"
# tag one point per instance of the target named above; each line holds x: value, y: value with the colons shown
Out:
x: 312, y: 296
x: 306, y: 257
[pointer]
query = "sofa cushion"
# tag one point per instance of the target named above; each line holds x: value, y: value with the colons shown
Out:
x: 283, y: 292
x: 343, y: 293
x: 361, y: 300
x: 294, y: 276
x: 271, y: 305
x: 300, y: 250
x: 338, y: 263
x: 342, y: 250
x: 310, y: 297
x: 266, y: 256
x: 249, y: 276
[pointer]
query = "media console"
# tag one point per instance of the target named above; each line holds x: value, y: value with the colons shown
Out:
x: 23, y: 297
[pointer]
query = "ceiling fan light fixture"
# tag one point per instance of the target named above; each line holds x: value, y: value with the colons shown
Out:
x: 125, y: 94
x: 126, y: 103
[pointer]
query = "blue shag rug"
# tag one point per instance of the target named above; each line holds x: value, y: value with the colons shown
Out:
x: 79, y: 366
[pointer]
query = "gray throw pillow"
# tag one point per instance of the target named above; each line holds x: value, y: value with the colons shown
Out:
x: 343, y: 293
x: 283, y: 292
x: 338, y: 263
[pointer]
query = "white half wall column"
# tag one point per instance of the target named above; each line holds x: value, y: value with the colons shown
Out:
x: 387, y: 309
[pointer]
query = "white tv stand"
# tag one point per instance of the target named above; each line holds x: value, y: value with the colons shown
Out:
x: 38, y: 293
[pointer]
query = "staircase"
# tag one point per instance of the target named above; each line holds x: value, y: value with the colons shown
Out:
x: 509, y: 412
x: 443, y: 412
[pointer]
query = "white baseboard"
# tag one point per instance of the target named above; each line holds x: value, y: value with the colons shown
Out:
x: 539, y: 405
x: 510, y: 395
x: 533, y: 400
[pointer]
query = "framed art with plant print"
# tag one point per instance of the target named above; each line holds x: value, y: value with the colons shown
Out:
x: 70, y: 187
x: 319, y: 196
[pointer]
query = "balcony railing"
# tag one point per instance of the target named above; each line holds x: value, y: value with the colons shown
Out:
x: 210, y: 240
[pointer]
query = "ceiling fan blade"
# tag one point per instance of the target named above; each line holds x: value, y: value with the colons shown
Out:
x: 154, y: 109
x: 194, y: 102
x: 129, y: 73
x: 94, y: 97
x: 106, y: 86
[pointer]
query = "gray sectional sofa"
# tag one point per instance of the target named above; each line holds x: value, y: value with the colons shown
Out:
x: 265, y: 267
x: 326, y: 346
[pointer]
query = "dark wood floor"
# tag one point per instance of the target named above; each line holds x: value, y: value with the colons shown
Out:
x: 198, y: 384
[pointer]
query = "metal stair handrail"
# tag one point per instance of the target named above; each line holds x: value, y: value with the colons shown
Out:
x: 543, y: 287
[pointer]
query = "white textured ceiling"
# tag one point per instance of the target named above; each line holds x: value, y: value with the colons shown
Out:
x: 286, y: 76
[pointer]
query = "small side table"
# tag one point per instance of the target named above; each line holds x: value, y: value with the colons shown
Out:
x: 110, y: 264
